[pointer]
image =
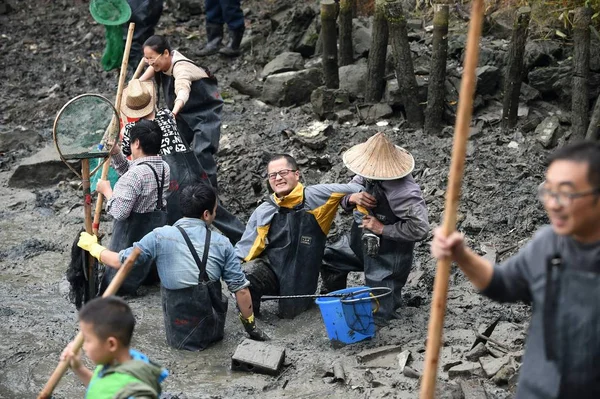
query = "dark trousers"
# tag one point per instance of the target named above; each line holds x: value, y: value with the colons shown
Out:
x: 221, y: 12
x: 263, y: 281
x: 145, y: 14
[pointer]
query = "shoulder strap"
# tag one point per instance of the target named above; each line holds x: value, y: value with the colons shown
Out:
x: 202, y: 275
x: 208, y: 72
x: 160, y: 186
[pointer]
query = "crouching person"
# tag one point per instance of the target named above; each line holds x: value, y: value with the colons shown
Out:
x: 107, y: 326
x: 191, y: 260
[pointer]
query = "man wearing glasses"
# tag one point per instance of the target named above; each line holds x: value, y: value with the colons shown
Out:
x: 558, y: 271
x: 285, y: 237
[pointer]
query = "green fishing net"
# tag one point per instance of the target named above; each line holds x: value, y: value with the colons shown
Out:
x: 112, y: 14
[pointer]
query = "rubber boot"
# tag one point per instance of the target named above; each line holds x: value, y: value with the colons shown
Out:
x: 233, y: 47
x: 214, y: 37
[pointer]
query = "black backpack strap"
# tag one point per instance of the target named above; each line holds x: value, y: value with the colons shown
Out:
x: 202, y: 275
x: 161, y: 185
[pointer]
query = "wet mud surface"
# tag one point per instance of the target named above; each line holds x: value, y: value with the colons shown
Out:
x: 51, y: 52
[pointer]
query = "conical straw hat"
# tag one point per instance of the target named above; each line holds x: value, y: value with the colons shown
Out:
x: 379, y: 159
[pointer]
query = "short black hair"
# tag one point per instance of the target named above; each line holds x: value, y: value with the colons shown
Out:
x: 197, y: 198
x: 158, y: 43
x: 109, y: 317
x: 149, y: 134
x: 581, y: 152
x: 289, y: 159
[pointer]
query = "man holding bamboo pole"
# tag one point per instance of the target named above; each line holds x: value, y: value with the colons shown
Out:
x: 558, y: 271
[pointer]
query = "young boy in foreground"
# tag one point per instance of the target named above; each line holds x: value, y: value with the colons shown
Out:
x: 107, y: 326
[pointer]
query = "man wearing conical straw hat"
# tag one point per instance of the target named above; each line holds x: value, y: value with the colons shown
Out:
x: 390, y: 216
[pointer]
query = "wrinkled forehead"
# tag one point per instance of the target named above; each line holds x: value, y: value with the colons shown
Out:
x: 278, y: 164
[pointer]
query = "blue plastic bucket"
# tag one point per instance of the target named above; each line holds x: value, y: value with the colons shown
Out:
x: 348, y: 323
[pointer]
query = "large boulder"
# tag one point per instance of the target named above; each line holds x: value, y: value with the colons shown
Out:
x: 501, y: 22
x: 42, y: 169
x: 291, y: 88
x: 353, y: 78
x: 19, y: 138
x: 308, y: 42
x: 541, y: 53
x: 284, y: 62
x: 487, y: 79
x: 361, y: 39
x: 558, y: 81
x: 326, y: 101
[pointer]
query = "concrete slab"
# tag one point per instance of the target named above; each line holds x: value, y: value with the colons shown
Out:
x: 258, y: 357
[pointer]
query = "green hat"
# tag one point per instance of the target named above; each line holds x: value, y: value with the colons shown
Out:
x: 110, y: 12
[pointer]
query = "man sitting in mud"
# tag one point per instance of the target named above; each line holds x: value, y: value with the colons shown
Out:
x: 138, y: 201
x: 285, y: 237
x: 390, y: 217
x: 191, y: 262
x: 559, y: 272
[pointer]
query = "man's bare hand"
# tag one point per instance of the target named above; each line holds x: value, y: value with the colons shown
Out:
x: 443, y: 247
x: 373, y: 224
x: 363, y: 199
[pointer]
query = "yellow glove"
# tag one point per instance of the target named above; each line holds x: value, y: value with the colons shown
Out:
x: 89, y: 243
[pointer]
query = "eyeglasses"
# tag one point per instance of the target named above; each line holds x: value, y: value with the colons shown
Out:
x: 564, y: 198
x: 152, y: 61
x: 282, y: 173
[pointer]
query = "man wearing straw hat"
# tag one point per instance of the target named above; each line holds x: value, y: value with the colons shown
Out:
x: 390, y: 216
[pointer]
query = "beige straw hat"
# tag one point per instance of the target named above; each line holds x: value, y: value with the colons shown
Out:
x: 379, y: 159
x: 138, y: 99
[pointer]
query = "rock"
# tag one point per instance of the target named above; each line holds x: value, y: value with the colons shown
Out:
x: 513, y: 145
x: 314, y: 136
x: 487, y: 79
x: 391, y: 94
x: 326, y: 101
x: 502, y: 22
x: 414, y: 24
x: 373, y: 113
x: 492, y: 365
x: 344, y: 116
x: 403, y: 358
x: 353, y: 78
x: 546, y: 131
x: 489, y: 252
x: 456, y: 45
x: 291, y: 88
x: 308, y: 42
x: 478, y: 351
x: 472, y: 224
x: 284, y: 62
x: 19, y: 138
x: 385, y: 356
x: 465, y: 370
x: 411, y: 373
x: 541, y: 53
x: 504, y: 375
x: 528, y: 93
x: 472, y: 389
x: 361, y: 39
x: 42, y: 169
x: 558, y: 82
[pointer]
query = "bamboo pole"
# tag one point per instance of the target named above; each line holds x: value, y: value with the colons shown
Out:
x: 105, y: 167
x: 461, y: 135
x: 112, y: 288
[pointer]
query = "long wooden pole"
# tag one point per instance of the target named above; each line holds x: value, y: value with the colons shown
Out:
x: 105, y: 167
x: 112, y: 288
x: 461, y: 135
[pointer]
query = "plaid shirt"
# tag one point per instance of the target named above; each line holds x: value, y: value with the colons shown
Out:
x: 137, y: 190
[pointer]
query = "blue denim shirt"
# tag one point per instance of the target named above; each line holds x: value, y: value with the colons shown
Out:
x: 176, y: 266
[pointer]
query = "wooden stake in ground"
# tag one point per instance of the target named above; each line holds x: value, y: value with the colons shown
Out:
x: 436, y: 91
x: 461, y: 135
x: 514, y: 68
x: 329, y: 38
x: 376, y: 63
x: 581, y: 71
x: 112, y: 288
x: 346, y: 50
x: 592, y: 131
x: 405, y: 73
x: 105, y: 167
